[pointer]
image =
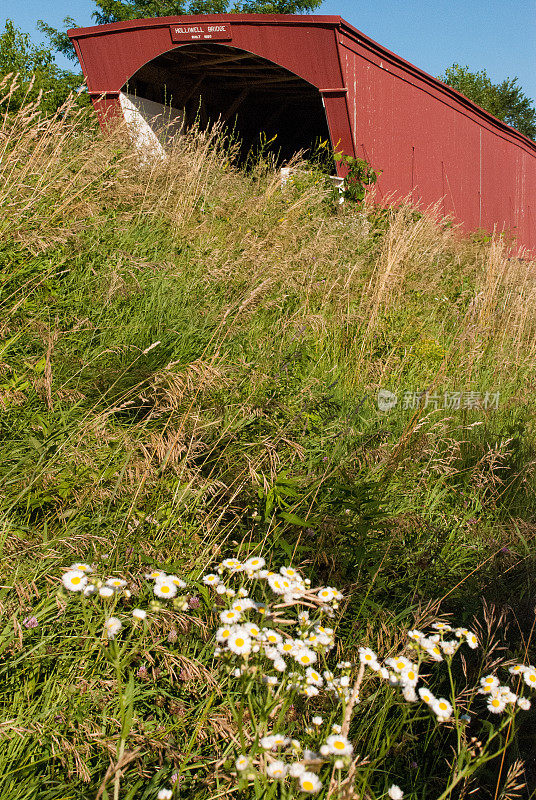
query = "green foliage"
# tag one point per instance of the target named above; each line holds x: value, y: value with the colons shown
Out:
x: 37, y: 71
x: 190, y: 361
x: 360, y: 175
x: 505, y: 100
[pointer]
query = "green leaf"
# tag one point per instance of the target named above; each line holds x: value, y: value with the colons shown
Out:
x: 294, y: 519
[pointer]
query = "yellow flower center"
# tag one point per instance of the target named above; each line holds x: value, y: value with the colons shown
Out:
x: 339, y: 745
x: 495, y: 702
x: 411, y: 675
x: 308, y: 786
x: 532, y: 678
x: 400, y: 665
x: 443, y: 706
x: 76, y: 581
x: 240, y: 642
x: 226, y: 633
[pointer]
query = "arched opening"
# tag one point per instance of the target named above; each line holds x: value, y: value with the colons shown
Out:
x: 249, y: 94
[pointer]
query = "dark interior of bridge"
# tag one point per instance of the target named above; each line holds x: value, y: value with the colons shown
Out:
x: 249, y: 94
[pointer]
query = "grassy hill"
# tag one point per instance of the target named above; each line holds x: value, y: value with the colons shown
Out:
x: 190, y: 365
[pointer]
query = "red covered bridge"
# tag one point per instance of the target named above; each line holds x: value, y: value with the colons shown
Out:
x: 310, y: 77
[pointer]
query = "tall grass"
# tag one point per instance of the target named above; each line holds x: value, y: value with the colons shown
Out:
x: 190, y: 363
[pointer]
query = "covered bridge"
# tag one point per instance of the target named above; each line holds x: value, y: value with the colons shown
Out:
x: 317, y: 77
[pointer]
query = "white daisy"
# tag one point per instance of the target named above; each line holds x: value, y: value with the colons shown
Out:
x: 529, y: 676
x: 309, y: 782
x: 230, y: 615
x: 442, y: 709
x: 165, y: 794
x: 317, y: 720
x: 239, y: 643
x: 223, y: 633
x: 449, y: 646
x: 488, y: 683
x: 289, y: 572
x: 395, y: 792
x: 339, y: 745
x: 398, y: 663
x: 165, y: 588
x: 441, y: 626
x: 272, y: 637
x: 305, y: 656
x: 312, y: 676
x: 155, y: 574
x: 81, y: 566
x: 116, y: 583
x: 253, y: 630
x: 327, y: 594
x: 139, y: 613
x: 426, y: 695
x: 112, y: 626
x: 89, y: 590
x: 242, y: 763
x: 232, y: 564
x: 277, y: 769
x: 336, y: 728
x: 496, y: 704
x: 267, y: 742
x: 279, y: 584
x: 517, y: 669
x: 431, y: 648
x: 254, y: 563
x: 211, y: 580
x: 106, y: 591
x: 243, y: 604
x: 178, y: 582
x: 287, y: 646
x: 74, y: 580
x: 409, y: 675
x: 368, y: 656
x: 471, y: 640
x: 523, y: 703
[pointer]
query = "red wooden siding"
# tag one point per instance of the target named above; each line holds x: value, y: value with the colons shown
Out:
x: 431, y: 143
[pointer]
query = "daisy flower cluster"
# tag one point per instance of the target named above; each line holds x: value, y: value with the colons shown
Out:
x: 281, y: 758
x: 500, y: 697
x: 442, y: 645
x: 80, y: 578
x: 273, y: 625
x: 165, y: 587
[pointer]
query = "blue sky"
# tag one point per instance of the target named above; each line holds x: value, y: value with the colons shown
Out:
x: 497, y: 35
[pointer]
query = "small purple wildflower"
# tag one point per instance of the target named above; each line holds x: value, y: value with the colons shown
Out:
x: 30, y: 622
x: 194, y: 602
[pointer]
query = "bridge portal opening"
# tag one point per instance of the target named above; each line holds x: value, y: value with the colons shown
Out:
x: 249, y: 94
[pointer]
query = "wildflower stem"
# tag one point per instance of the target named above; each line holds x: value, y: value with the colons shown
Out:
x: 354, y: 697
